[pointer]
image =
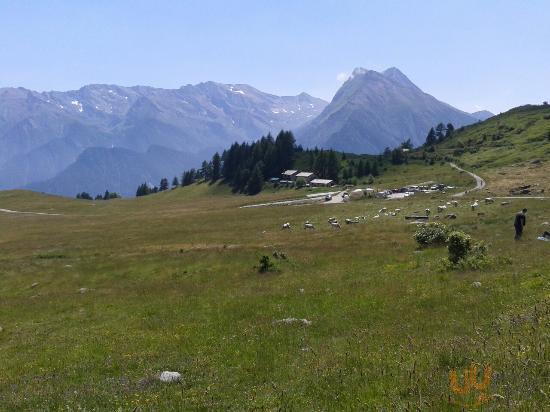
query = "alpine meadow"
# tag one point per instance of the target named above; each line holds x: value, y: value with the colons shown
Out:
x: 303, y: 244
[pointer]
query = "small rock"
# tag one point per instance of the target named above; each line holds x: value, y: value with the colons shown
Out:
x: 289, y: 321
x: 35, y: 284
x: 301, y: 290
x: 1, y: 329
x: 168, y: 376
x: 83, y: 290
x: 476, y: 284
x: 545, y: 223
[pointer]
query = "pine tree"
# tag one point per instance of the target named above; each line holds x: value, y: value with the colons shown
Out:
x: 175, y: 182
x: 216, y: 167
x: 367, y: 170
x: 439, y: 129
x: 332, y: 166
x: 374, y: 169
x: 163, y: 184
x: 431, y: 139
x: 450, y: 131
x: 256, y: 181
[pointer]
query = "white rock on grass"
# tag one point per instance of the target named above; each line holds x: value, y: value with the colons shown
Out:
x: 35, y: 284
x: 1, y: 329
x: 289, y: 321
x: 476, y: 284
x: 168, y: 376
x: 83, y: 290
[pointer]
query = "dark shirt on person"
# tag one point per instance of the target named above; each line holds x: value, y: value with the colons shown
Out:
x: 520, y: 220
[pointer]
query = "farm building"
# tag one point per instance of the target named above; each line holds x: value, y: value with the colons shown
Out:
x: 322, y: 182
x: 289, y: 174
x: 306, y: 176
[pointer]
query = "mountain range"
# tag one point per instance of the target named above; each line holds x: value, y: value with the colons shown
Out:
x: 43, y: 134
x: 112, y: 137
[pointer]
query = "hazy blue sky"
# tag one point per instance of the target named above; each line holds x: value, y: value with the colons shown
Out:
x: 471, y: 54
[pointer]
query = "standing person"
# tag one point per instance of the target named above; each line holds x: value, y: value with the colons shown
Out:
x: 520, y: 222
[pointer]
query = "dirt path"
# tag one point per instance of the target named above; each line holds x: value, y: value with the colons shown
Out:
x: 480, y: 183
x: 310, y: 199
x: 29, y: 213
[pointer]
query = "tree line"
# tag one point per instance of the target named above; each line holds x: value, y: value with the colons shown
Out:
x: 106, y: 196
x: 439, y: 134
x: 246, y: 166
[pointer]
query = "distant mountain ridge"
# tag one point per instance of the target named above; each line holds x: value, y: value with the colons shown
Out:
x: 482, y: 115
x: 373, y: 110
x: 42, y: 134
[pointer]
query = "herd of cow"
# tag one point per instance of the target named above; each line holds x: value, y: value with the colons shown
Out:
x: 333, y: 221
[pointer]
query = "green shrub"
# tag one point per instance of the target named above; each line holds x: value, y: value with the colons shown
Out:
x: 460, y: 244
x: 265, y: 264
x: 431, y: 234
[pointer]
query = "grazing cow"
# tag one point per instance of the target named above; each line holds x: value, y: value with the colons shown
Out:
x: 455, y: 203
x: 332, y: 219
x: 505, y: 203
x: 308, y: 225
x: 383, y: 210
x: 441, y: 208
x: 397, y: 210
x: 450, y: 216
x: 351, y: 221
x: 489, y: 200
x: 376, y: 216
x: 428, y: 211
x: 335, y: 224
x: 474, y: 205
x: 286, y: 225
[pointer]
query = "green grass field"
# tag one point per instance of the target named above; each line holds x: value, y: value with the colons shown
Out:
x: 172, y: 284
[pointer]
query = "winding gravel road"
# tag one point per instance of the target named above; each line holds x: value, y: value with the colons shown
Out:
x: 480, y: 183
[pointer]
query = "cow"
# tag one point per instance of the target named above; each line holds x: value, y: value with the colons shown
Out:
x: 286, y: 225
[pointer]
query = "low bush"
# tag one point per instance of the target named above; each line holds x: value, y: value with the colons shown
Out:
x: 265, y: 264
x: 460, y: 244
x: 431, y: 234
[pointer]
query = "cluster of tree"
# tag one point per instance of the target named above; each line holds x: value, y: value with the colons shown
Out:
x: 106, y: 196
x: 439, y: 134
x: 145, y: 189
x: 398, y: 155
x: 361, y: 169
x: 324, y: 163
x: 245, y: 166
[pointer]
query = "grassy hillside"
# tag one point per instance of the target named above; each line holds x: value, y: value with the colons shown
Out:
x: 509, y: 150
x: 170, y: 284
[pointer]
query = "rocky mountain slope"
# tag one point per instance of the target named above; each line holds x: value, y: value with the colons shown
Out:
x: 42, y: 134
x: 375, y: 110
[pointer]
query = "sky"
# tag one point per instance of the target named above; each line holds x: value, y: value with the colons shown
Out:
x: 474, y: 55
